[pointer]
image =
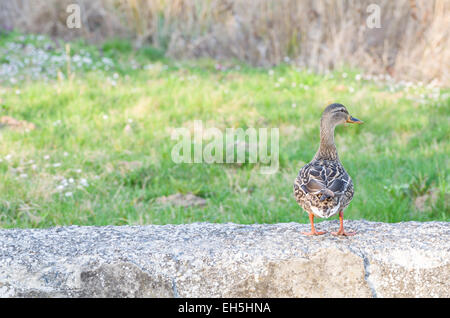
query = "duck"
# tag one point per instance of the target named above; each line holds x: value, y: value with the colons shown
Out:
x: 322, y: 187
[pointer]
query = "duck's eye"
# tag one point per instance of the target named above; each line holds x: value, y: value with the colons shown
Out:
x: 340, y: 111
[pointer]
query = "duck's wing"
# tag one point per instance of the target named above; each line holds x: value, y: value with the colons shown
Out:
x: 323, y: 188
x: 328, y: 179
x: 339, y: 183
x: 308, y: 181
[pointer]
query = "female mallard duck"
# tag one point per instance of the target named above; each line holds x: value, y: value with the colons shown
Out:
x: 323, y: 187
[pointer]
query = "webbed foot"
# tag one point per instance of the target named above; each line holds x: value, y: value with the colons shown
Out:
x: 343, y: 233
x: 314, y: 233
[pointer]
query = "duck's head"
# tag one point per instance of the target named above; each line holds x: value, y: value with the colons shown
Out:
x: 336, y: 114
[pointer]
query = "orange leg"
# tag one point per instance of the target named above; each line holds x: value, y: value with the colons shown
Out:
x: 341, y: 227
x: 313, y: 230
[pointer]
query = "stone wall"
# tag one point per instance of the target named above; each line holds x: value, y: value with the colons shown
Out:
x: 409, y: 259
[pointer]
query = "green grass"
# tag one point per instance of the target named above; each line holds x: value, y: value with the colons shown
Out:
x: 92, y: 122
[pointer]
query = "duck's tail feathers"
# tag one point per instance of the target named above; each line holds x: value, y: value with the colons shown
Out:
x: 326, y: 193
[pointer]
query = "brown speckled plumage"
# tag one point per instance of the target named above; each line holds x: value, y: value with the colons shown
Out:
x: 322, y: 186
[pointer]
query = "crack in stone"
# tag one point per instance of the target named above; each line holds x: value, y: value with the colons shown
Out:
x: 174, y: 288
x: 366, y: 263
x: 366, y: 276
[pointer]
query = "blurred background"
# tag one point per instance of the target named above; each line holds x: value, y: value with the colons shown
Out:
x: 411, y: 44
x: 86, y: 114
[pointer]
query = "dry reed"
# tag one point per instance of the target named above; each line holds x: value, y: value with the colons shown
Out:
x: 412, y: 43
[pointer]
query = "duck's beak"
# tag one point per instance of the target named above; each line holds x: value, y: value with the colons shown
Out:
x: 353, y: 120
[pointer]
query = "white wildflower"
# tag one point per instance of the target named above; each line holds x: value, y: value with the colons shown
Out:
x: 83, y: 182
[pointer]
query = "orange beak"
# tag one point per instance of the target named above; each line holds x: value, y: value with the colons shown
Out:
x: 353, y: 120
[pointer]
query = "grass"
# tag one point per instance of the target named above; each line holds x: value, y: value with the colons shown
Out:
x: 101, y: 150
